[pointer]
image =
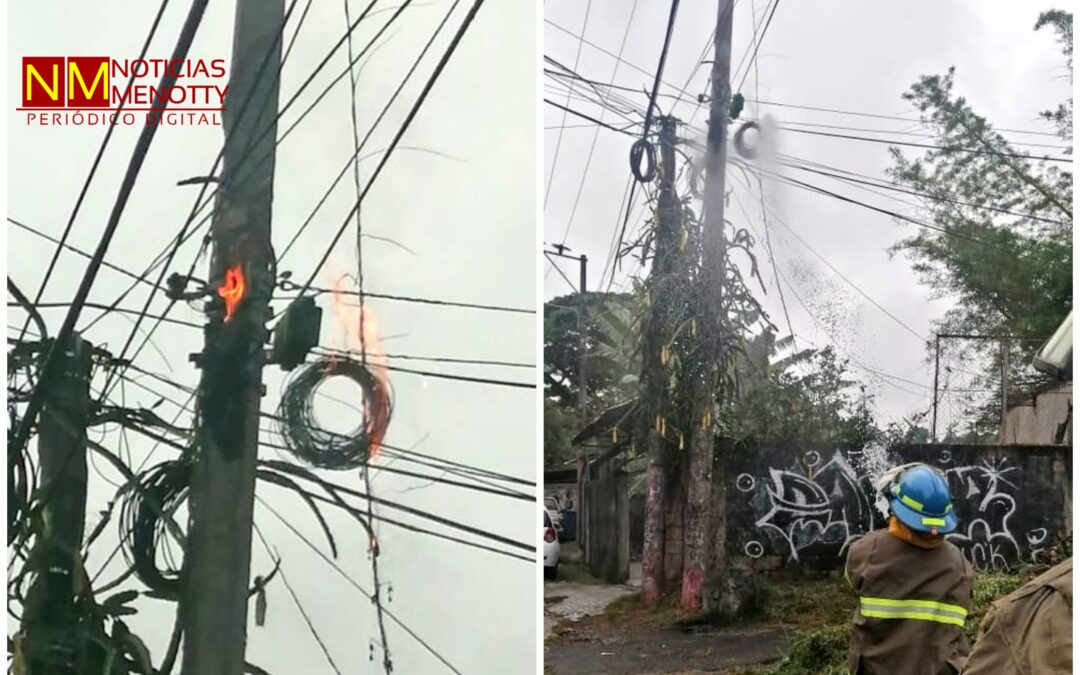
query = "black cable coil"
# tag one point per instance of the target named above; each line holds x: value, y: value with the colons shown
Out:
x: 639, y: 148
x: 744, y: 150
x: 323, y: 449
x: 146, y: 518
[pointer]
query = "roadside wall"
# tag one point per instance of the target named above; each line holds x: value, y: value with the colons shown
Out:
x: 1043, y: 418
x: 800, y: 507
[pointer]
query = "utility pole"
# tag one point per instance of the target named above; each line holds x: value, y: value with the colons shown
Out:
x: 583, y: 380
x: 937, y: 375
x: 50, y: 614
x: 700, y: 552
x: 1004, y: 385
x: 654, y: 376
x: 214, y: 585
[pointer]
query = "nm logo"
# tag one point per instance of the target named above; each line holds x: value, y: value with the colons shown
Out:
x: 66, y: 82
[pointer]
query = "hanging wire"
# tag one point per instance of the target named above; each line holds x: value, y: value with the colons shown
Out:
x: 300, y: 430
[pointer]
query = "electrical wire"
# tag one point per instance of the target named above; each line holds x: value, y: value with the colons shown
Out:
x: 94, y: 165
x: 558, y: 141
x: 596, y: 132
x: 359, y: 588
x: 360, y: 144
x: 146, y: 136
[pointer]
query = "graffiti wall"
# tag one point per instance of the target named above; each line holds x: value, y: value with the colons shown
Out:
x: 791, y: 506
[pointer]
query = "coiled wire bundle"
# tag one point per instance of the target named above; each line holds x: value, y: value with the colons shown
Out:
x: 324, y: 449
x: 147, y: 518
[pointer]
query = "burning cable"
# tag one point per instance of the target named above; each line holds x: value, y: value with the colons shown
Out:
x: 323, y: 449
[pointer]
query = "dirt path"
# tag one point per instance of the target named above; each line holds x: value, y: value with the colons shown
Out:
x: 662, y: 651
x: 580, y: 639
x: 572, y: 602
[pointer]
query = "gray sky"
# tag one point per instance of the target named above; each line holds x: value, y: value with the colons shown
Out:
x: 467, y: 218
x: 846, y: 55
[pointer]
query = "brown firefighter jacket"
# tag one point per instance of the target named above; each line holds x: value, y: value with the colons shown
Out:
x: 913, y: 603
x: 1028, y: 632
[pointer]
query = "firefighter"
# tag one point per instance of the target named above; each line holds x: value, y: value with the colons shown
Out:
x: 914, y: 587
x: 1028, y: 632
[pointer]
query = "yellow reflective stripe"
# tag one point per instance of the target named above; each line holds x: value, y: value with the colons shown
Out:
x: 940, y: 522
x: 878, y: 614
x: 911, y: 502
x: 948, y: 507
x: 926, y: 604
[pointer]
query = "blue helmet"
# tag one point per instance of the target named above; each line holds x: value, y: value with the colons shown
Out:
x: 920, y: 499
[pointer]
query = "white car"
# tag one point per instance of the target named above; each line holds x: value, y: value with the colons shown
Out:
x: 551, y: 547
x: 552, y: 507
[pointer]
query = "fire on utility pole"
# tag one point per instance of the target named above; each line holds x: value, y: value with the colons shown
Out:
x: 214, y: 587
x: 701, y: 551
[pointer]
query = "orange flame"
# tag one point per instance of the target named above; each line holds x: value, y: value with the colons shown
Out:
x: 359, y: 332
x: 232, y: 291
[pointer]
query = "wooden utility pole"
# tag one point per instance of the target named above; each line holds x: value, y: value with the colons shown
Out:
x: 654, y: 376
x: 698, y: 554
x: 214, y: 587
x: 50, y: 613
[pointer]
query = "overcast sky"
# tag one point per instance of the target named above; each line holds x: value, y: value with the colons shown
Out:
x: 846, y: 55
x: 466, y: 217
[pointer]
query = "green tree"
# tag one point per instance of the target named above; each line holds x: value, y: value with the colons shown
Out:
x: 1001, y: 242
x: 610, y: 344
x: 560, y: 425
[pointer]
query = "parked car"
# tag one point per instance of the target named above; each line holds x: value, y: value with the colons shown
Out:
x: 552, y: 506
x: 551, y: 547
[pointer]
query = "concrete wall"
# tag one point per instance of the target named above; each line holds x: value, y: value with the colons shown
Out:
x: 1043, y: 418
x: 606, y: 497
x: 800, y: 507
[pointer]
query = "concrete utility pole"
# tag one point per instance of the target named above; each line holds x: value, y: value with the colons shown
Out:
x: 654, y: 375
x: 714, y: 262
x: 937, y: 376
x: 49, y: 615
x: 583, y: 379
x: 1004, y: 386
x: 214, y: 587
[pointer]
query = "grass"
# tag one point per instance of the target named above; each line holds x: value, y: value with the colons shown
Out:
x: 576, y: 571
x: 630, y: 612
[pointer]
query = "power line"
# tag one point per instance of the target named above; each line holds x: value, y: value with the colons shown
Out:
x: 299, y: 605
x: 427, y: 301
x: 878, y: 116
x: 558, y: 142
x: 97, y: 161
x: 77, y: 251
x: 243, y: 110
x: 929, y: 146
x: 450, y: 376
x: 899, y: 132
x: 587, y: 117
x: 359, y: 588
x: 146, y: 136
x: 757, y: 43
x: 886, y: 185
x: 596, y: 132
x: 360, y: 144
x: 401, y: 132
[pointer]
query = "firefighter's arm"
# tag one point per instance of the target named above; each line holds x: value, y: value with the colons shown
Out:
x: 853, y: 565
